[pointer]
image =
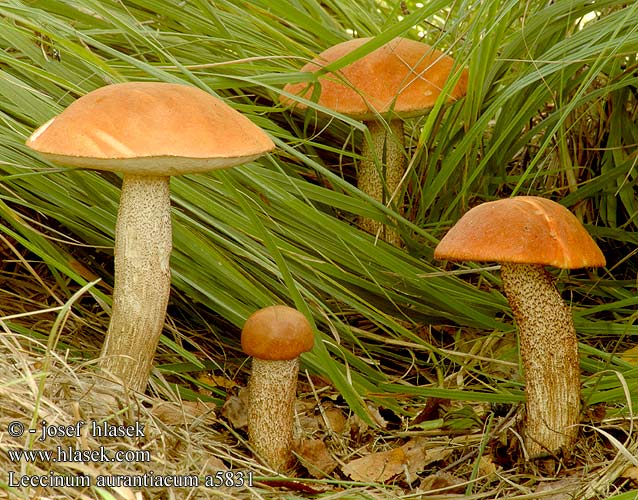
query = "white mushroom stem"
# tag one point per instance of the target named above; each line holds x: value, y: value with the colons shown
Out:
x: 271, y: 397
x: 142, y: 279
x: 549, y: 351
x: 387, y: 153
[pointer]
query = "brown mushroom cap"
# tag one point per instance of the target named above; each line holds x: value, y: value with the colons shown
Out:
x: 110, y: 129
x: 276, y: 333
x: 522, y: 230
x: 403, y: 76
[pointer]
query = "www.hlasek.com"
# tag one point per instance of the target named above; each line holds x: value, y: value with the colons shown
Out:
x: 102, y: 430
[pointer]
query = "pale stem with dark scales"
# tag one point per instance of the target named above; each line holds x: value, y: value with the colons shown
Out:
x: 388, y: 148
x: 143, y: 242
x: 549, y: 351
x: 271, y: 402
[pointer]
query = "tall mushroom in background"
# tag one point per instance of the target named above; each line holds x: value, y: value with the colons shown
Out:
x: 402, y: 79
x: 525, y: 233
x: 148, y: 131
x: 274, y: 336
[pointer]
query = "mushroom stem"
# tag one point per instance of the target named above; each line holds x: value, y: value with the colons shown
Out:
x: 382, y: 169
x: 142, y: 279
x: 271, y: 395
x: 549, y: 350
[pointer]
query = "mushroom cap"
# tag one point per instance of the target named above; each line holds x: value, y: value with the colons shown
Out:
x: 277, y: 333
x: 150, y: 128
x: 521, y: 230
x: 402, y: 78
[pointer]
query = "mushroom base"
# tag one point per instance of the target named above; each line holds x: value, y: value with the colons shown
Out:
x: 143, y: 241
x: 381, y: 171
x: 549, y: 351
x: 271, y: 394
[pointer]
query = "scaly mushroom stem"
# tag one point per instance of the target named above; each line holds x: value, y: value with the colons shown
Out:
x: 388, y: 148
x: 549, y: 350
x: 142, y: 279
x: 271, y: 398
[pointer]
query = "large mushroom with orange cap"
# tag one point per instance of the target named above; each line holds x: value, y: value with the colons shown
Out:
x: 148, y: 131
x: 524, y: 234
x: 275, y: 337
x: 402, y: 79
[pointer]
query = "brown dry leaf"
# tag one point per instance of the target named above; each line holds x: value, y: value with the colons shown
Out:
x: 376, y: 416
x: 315, y: 457
x: 631, y: 472
x: 487, y: 467
x: 563, y: 489
x: 442, y: 481
x: 416, y: 455
x: 178, y: 414
x: 214, y: 465
x: 235, y: 409
x: 408, y: 459
x: 308, y: 419
x: 377, y: 467
x: 436, y: 454
x: 336, y: 420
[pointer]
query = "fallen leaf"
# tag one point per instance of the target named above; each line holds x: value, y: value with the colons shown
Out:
x: 430, y: 411
x: 377, y: 467
x: 487, y: 467
x: 315, y: 457
x: 437, y: 454
x: 377, y: 417
x: 336, y: 420
x: 631, y: 472
x: 444, y: 481
x: 214, y: 465
x: 416, y: 456
x: 187, y: 411
x: 562, y: 489
x: 408, y: 459
x: 235, y: 409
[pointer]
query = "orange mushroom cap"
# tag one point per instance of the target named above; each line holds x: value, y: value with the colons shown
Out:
x: 152, y: 128
x: 404, y: 77
x: 522, y: 230
x: 276, y: 333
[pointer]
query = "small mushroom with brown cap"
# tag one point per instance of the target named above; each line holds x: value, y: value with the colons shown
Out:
x: 275, y: 337
x: 401, y: 79
x: 524, y: 234
x: 148, y: 131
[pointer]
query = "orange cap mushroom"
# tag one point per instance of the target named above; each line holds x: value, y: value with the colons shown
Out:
x: 148, y: 131
x: 277, y: 333
x: 275, y: 337
x: 403, y: 78
x: 523, y: 234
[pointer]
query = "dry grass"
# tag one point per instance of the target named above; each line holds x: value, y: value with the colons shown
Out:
x: 457, y: 450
